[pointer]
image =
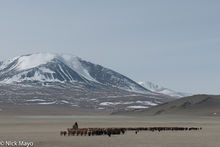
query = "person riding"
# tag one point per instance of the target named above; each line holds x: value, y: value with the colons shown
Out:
x: 75, y: 126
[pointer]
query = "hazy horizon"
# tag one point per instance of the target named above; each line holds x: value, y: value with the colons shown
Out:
x: 170, y: 43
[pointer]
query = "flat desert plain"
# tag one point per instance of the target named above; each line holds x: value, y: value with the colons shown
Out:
x: 45, y: 131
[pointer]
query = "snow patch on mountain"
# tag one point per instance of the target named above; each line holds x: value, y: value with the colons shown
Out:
x: 146, y: 103
x: 74, y: 63
x: 137, y: 107
x: 34, y: 60
x: 47, y: 103
x: 5, y: 63
x: 35, y: 100
x: 36, y: 77
x: 46, y: 70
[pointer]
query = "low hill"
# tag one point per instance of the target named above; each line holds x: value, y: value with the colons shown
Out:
x: 206, y: 105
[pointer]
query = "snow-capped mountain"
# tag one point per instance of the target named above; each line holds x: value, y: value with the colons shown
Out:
x: 59, y: 79
x: 47, y: 67
x: 162, y: 90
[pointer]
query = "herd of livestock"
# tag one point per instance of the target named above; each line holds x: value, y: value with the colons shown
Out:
x: 75, y: 131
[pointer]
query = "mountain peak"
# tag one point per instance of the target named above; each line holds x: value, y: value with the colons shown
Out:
x: 33, y: 60
x: 28, y: 61
x: 162, y: 90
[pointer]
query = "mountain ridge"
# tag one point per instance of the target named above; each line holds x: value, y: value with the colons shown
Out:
x: 162, y: 90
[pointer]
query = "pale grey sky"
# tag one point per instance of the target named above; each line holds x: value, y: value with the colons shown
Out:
x: 172, y: 43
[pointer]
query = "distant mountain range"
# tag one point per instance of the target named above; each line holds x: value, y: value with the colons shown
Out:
x: 162, y: 90
x: 59, y: 79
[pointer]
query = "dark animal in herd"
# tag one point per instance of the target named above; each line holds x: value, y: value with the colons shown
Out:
x: 75, y: 131
x: 63, y: 133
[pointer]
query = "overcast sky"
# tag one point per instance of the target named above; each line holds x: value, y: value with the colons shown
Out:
x: 172, y: 43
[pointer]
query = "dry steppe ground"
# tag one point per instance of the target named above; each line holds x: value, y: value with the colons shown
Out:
x: 44, y: 132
